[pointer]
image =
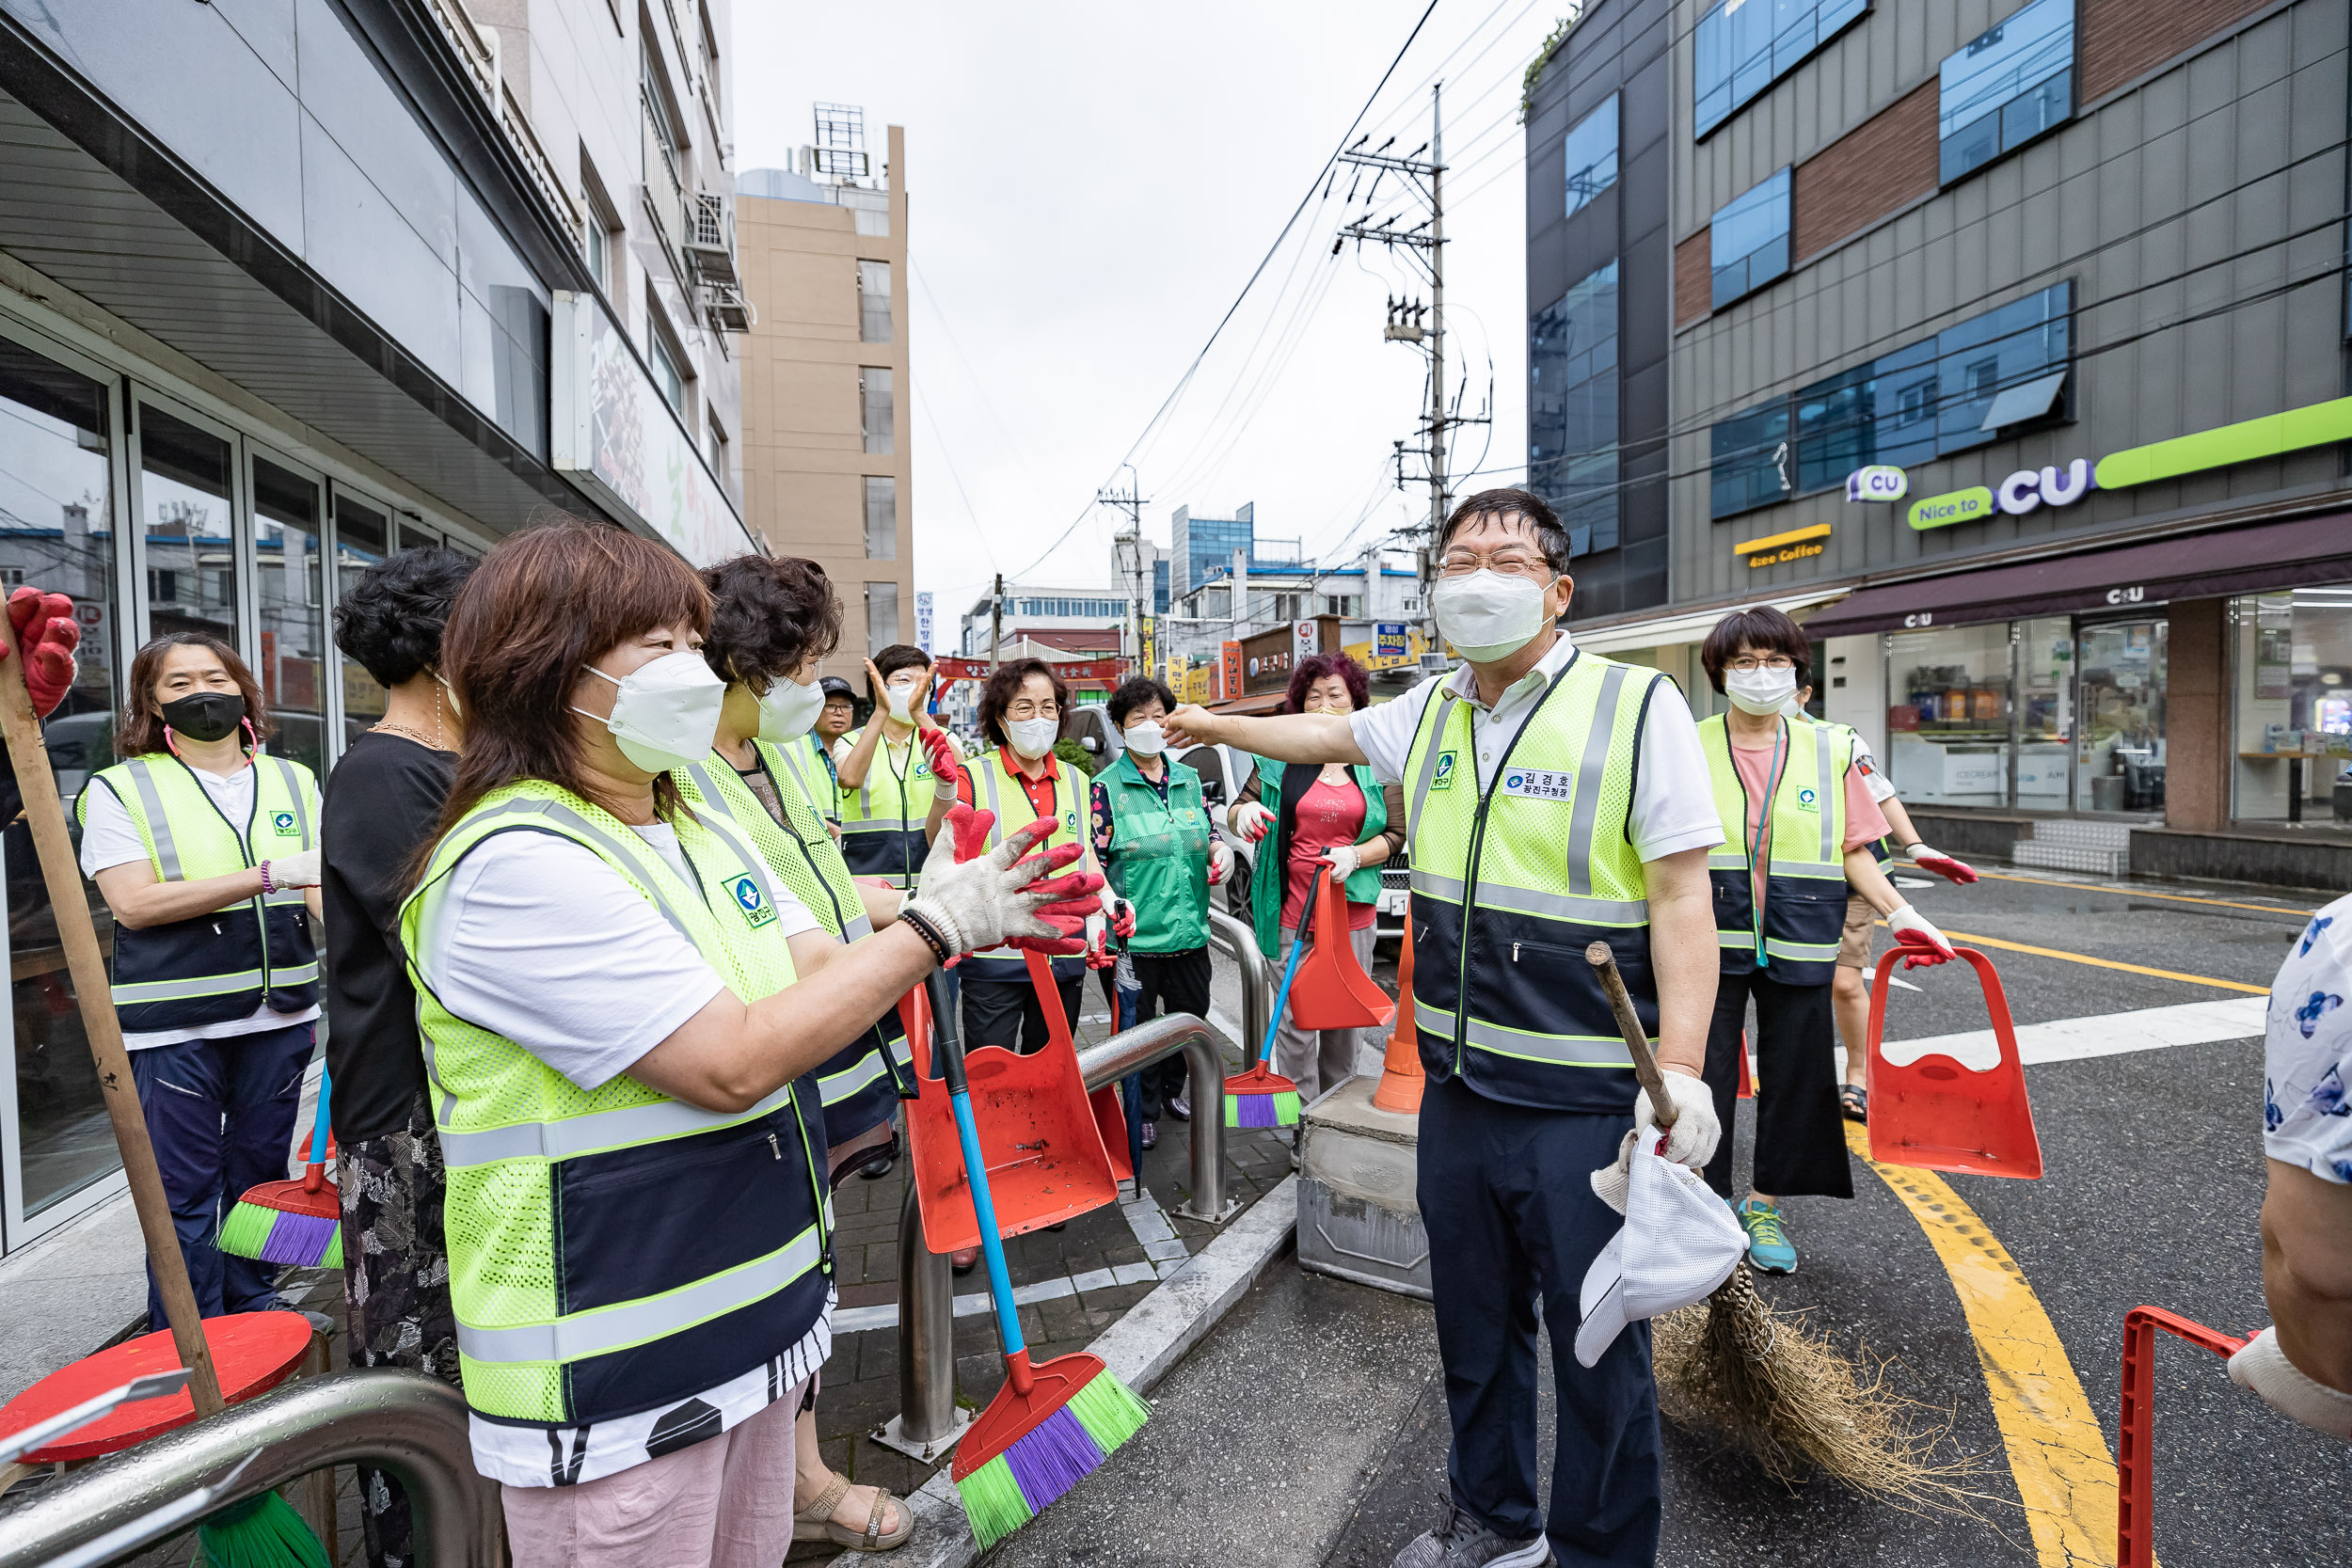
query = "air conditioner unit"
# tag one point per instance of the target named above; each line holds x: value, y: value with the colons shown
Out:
x: 725, y: 308
x: 710, y: 238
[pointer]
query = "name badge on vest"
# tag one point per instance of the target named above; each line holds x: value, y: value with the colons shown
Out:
x: 1443, y: 778
x: 922, y: 768
x: 1537, y: 783
x: 755, y: 905
x: 1808, y: 800
x: 284, y: 824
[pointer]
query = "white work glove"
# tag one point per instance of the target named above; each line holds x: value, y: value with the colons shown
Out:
x: 300, y: 869
x: 1220, y: 861
x: 1940, y: 864
x: 1343, y: 859
x: 1690, y: 1142
x: 978, y: 903
x: 1252, y: 820
x: 2265, y: 1369
x: 1922, y: 943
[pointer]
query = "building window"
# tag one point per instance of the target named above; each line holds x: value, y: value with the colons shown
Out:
x: 1749, y: 460
x: 605, y: 238
x: 1749, y: 238
x: 666, y: 375
x: 882, y: 519
x: 2005, y: 86
x: 715, y: 440
x: 873, y: 302
x: 876, y: 409
x: 882, y: 616
x: 2293, y: 712
x: 1572, y: 409
x: 1744, y: 46
x: 1590, y: 150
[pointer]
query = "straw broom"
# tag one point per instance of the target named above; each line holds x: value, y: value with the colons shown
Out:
x: 1785, y: 1395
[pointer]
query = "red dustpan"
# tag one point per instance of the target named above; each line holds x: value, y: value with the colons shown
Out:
x: 1331, y: 989
x: 1110, y: 1117
x: 1937, y: 1114
x: 1046, y: 1162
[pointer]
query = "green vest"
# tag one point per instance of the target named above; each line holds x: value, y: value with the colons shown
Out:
x: 997, y: 789
x: 1268, y: 881
x: 614, y: 1250
x: 1159, y: 858
x: 862, y: 1084
x: 1797, y: 933
x: 881, y: 821
x: 221, y: 965
x: 1513, y: 881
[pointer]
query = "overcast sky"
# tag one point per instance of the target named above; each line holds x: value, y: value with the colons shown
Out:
x: 1089, y: 185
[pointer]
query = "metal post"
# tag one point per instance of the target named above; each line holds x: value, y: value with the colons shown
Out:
x: 412, y: 1426
x: 928, y: 1419
x: 1257, y: 977
x: 1133, y: 1050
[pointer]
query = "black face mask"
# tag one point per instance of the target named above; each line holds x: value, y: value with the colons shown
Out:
x: 206, y: 714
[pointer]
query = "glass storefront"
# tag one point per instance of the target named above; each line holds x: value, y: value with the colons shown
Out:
x: 1948, y: 715
x: 2292, y: 717
x: 2120, y: 676
x: 291, y: 605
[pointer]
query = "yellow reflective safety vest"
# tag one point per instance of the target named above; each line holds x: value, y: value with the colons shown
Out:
x: 614, y: 1250
x: 882, y: 819
x: 224, y: 964
x: 1512, y: 881
x: 1794, y: 937
x: 862, y: 1082
x: 998, y: 787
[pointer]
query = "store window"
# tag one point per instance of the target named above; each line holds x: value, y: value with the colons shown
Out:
x: 185, y: 512
x: 2005, y: 86
x: 2291, y: 720
x: 1748, y: 239
x: 362, y: 535
x: 290, y: 606
x: 1572, y: 393
x: 1590, y: 149
x: 2045, y: 713
x: 1948, y: 715
x: 57, y: 532
x: 1744, y: 46
x: 2120, y: 678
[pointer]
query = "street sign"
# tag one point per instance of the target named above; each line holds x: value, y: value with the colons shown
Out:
x: 1389, y: 640
x: 923, y: 622
x: 1305, y: 640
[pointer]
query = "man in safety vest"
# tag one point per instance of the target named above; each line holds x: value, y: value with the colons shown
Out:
x: 1554, y: 797
x: 887, y: 786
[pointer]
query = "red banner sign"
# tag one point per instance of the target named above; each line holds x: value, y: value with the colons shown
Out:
x: 978, y: 669
x: 1229, y: 671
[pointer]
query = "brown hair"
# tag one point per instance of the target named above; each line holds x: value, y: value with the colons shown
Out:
x: 1006, y: 684
x: 1763, y: 628
x: 767, y: 617
x: 140, y: 730
x: 547, y: 602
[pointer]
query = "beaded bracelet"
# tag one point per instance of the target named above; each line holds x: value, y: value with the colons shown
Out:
x: 267, y: 886
x: 929, y: 933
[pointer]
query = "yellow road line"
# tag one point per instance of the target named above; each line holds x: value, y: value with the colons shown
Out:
x: 2106, y: 963
x: 2136, y: 892
x: 2056, y: 1450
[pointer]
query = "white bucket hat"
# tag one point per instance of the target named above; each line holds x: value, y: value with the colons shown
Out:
x: 1678, y: 1243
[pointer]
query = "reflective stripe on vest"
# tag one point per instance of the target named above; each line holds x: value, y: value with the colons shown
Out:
x: 1797, y: 933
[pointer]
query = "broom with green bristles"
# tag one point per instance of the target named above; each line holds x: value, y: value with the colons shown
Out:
x: 1263, y: 1096
x: 298, y: 1221
x: 1050, y: 1426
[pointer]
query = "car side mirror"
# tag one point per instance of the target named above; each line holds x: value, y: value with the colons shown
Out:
x: 1092, y: 743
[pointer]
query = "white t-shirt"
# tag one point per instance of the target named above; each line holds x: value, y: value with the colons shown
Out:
x: 1673, y: 806
x: 1867, y: 766
x: 2307, y: 1050
x: 539, y: 939
x: 110, y: 838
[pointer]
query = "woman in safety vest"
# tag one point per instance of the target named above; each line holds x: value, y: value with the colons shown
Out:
x: 205, y: 849
x: 1301, y: 816
x: 1022, y: 781
x: 888, y: 789
x: 1151, y: 832
x: 1798, y: 824
x: 624, y: 1009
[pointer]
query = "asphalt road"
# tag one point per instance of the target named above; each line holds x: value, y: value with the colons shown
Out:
x: 2153, y: 1176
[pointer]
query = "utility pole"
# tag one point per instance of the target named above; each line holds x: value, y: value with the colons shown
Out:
x: 995, y: 620
x: 1128, y: 545
x: 1425, y: 244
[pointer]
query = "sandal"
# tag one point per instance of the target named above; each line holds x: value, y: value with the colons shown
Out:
x: 1854, y: 1101
x: 816, y: 1522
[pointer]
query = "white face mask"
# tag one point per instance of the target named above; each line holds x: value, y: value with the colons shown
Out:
x: 666, y: 713
x: 899, y: 695
x: 1761, y: 692
x: 1489, y: 616
x: 1033, y: 737
x: 789, y: 709
x: 1145, y: 739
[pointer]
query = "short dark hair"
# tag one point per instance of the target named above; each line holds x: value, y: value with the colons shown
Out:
x: 767, y: 617
x: 1505, y: 501
x: 1762, y: 627
x: 1003, y: 685
x: 897, y: 657
x: 141, y: 730
x: 389, y: 622
x: 1135, y: 691
x: 1315, y: 667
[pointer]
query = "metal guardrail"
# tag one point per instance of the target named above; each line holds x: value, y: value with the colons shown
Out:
x: 406, y: 1423
x: 1257, y: 977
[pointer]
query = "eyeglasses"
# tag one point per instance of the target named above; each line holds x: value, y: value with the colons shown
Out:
x: 1508, y: 561
x: 1748, y: 662
x: 1027, y: 707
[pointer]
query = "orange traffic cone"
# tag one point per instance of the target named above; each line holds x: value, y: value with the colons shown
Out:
x: 1401, y: 1078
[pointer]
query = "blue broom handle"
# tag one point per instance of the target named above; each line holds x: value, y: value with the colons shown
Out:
x: 949, y: 1045
x: 318, y: 1131
x: 1298, y: 950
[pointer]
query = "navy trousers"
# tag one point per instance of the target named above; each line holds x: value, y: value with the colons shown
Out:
x: 222, y: 1115
x: 1506, y: 1194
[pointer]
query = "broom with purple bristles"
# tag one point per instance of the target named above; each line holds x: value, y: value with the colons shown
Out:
x: 298, y: 1221
x: 1263, y: 1096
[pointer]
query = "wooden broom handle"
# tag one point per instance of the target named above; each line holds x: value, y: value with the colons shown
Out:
x: 28, y: 753
x: 1636, y: 1037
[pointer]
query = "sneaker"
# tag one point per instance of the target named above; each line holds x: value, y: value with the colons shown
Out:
x: 1768, y: 1247
x: 1179, y: 1108
x: 1150, y: 1134
x: 1461, y: 1542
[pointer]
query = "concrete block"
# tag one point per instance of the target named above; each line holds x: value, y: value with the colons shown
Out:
x: 1357, y: 1216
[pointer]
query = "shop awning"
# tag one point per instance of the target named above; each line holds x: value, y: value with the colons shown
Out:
x: 1668, y: 631
x: 2190, y: 566
x: 1265, y: 701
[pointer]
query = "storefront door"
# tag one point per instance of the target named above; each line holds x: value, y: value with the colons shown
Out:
x: 2120, y: 686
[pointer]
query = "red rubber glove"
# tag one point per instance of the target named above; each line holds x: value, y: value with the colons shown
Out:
x: 46, y: 630
x: 946, y: 767
x: 1942, y: 865
x: 971, y: 830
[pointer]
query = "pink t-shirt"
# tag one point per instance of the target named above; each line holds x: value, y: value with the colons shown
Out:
x: 1863, y: 820
x: 1328, y: 814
